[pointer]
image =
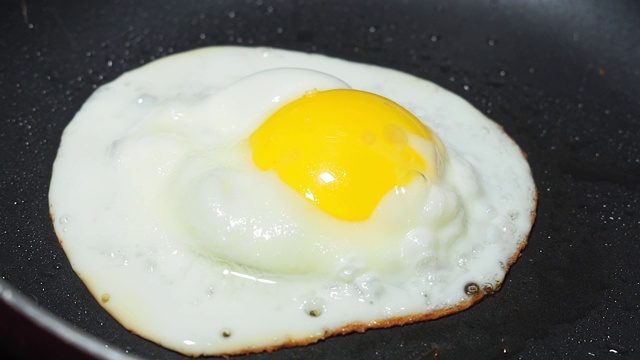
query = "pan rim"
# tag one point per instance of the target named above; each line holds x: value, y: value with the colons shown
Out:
x: 63, y: 331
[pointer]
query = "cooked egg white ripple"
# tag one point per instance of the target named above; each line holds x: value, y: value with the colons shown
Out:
x: 186, y: 242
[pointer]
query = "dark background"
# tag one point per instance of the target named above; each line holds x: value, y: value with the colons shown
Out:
x: 562, y: 77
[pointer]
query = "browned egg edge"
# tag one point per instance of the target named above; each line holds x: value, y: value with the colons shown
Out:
x: 397, y: 321
x: 355, y: 327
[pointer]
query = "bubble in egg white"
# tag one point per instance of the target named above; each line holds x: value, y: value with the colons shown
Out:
x: 203, y: 253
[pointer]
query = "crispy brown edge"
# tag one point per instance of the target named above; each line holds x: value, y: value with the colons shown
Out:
x: 397, y: 321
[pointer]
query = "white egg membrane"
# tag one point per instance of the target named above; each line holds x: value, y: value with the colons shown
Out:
x: 178, y: 235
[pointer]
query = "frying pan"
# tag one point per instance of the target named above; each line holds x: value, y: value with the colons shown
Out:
x: 562, y: 77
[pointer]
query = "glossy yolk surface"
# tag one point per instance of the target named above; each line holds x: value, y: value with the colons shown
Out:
x: 343, y: 149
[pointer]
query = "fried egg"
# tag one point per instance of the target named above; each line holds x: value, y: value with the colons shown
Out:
x: 231, y: 200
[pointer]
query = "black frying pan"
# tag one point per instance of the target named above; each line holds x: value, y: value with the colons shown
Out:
x: 562, y: 77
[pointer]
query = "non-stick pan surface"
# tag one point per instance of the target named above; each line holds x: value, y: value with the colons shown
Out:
x: 562, y: 77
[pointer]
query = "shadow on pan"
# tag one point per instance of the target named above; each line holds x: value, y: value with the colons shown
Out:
x: 560, y: 76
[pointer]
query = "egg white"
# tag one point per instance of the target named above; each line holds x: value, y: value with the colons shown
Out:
x: 184, y: 241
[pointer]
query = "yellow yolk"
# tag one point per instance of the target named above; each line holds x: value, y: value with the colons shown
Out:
x: 345, y: 149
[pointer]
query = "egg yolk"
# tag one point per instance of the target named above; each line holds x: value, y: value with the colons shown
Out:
x: 345, y: 149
